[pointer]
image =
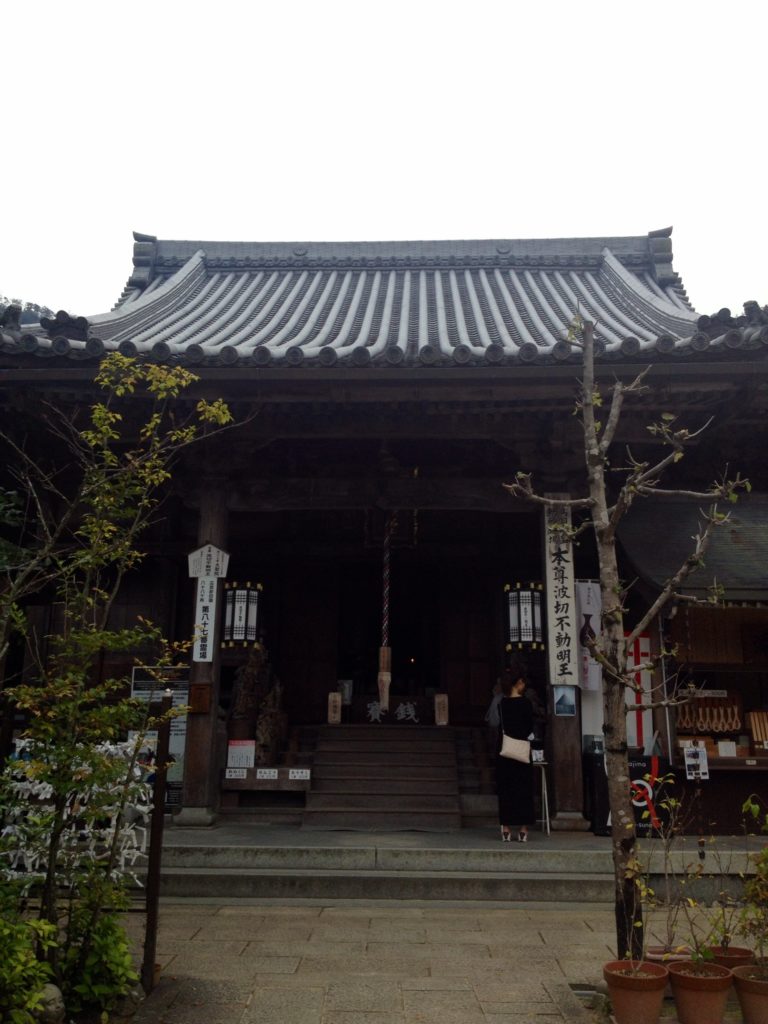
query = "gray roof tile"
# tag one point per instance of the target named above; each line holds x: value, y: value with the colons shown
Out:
x: 415, y: 303
x: 737, y: 553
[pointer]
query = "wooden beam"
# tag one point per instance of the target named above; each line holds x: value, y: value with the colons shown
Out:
x: 355, y: 492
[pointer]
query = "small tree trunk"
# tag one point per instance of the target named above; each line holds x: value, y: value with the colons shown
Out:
x: 629, y: 923
x: 49, y: 896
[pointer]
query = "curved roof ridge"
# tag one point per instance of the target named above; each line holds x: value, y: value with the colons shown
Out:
x: 157, y: 296
x: 586, y: 245
x: 633, y: 283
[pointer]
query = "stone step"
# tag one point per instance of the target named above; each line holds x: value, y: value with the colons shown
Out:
x: 262, y: 815
x: 354, y: 783
x: 371, y: 819
x: 501, y: 858
x: 384, y: 747
x: 386, y: 778
x: 414, y: 772
x: 370, y: 756
x: 479, y: 810
x: 309, y: 884
x: 384, y: 732
x: 385, y: 801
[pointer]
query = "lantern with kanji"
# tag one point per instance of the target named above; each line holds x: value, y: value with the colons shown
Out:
x: 524, y: 619
x: 242, y: 605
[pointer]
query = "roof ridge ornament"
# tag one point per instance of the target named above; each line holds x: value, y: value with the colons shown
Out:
x: 660, y: 250
x: 144, y: 256
x: 73, y: 327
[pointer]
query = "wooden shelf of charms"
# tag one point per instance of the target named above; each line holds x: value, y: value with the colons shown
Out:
x: 714, y: 720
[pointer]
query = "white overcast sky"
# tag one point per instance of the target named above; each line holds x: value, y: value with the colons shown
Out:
x: 332, y: 120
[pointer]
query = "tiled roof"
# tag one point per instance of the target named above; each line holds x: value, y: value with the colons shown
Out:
x: 409, y: 303
x: 736, y: 557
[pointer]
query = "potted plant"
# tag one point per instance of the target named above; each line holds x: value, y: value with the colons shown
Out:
x: 665, y: 920
x: 724, y: 912
x: 636, y: 990
x: 700, y: 986
x: 636, y: 987
x: 751, y: 980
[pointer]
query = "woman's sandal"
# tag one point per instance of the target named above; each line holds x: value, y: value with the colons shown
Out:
x: 506, y: 835
x: 522, y: 837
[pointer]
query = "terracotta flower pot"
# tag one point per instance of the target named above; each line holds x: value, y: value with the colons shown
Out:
x: 636, y: 990
x: 751, y: 983
x: 701, y: 991
x: 733, y: 956
x: 662, y: 955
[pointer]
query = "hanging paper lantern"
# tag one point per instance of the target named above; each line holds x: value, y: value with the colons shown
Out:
x: 241, y: 614
x: 524, y: 616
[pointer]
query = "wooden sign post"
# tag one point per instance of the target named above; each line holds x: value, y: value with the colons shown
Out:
x: 334, y: 708
x: 203, y: 761
x: 385, y: 651
x: 562, y: 648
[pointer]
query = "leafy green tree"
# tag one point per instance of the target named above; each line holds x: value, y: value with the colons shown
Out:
x: 71, y: 799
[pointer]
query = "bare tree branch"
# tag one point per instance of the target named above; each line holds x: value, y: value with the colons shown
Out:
x: 523, y: 488
x: 656, y: 492
x: 617, y: 400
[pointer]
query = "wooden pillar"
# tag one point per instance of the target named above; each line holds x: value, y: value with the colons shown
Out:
x: 205, y: 745
x: 567, y: 776
x: 6, y: 720
x: 562, y: 664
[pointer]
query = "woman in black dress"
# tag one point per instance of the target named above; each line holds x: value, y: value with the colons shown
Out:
x: 514, y: 780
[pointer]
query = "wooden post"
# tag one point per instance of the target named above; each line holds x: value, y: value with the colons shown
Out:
x: 200, y: 798
x: 564, y: 733
x: 156, y: 847
x: 6, y: 719
x: 385, y: 651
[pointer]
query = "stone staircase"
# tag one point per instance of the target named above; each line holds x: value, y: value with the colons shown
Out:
x: 384, y: 778
x: 307, y: 866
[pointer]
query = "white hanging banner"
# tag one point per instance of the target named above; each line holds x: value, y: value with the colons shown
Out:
x: 562, y: 632
x: 639, y: 722
x: 205, y: 618
x: 588, y: 611
x: 208, y: 564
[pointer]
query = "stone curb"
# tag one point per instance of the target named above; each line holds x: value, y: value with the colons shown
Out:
x: 567, y: 1002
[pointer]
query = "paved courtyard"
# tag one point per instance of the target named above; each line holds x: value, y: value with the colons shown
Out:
x: 374, y: 963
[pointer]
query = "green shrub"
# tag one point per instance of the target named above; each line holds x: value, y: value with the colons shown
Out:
x: 106, y: 974
x: 22, y: 975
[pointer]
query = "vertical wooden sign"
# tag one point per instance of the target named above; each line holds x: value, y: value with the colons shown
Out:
x: 207, y: 564
x: 441, y: 709
x: 334, y: 708
x: 562, y: 632
x: 563, y: 669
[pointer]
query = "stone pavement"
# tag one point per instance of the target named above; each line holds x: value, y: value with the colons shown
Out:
x: 374, y: 962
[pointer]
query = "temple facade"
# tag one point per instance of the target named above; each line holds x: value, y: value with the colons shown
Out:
x: 384, y: 393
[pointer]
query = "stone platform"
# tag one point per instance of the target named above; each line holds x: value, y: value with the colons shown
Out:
x: 248, y: 861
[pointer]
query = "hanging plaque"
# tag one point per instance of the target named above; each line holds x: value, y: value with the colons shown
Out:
x: 207, y: 565
x: 334, y: 708
x: 208, y: 561
x: 562, y: 633
x: 441, y: 709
